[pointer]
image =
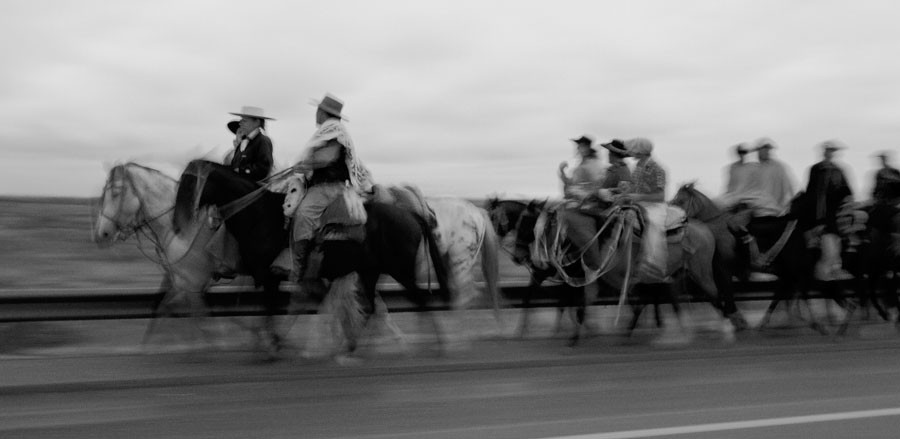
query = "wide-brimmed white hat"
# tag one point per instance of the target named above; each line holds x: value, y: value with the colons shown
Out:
x: 248, y: 111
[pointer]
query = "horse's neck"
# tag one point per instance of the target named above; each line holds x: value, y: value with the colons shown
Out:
x: 514, y: 213
x: 157, y: 195
x: 703, y: 208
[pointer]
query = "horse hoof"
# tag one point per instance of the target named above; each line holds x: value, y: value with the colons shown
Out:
x: 739, y: 322
x: 347, y: 360
x: 672, y: 340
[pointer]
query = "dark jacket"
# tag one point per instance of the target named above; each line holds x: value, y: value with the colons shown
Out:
x: 887, y: 184
x: 255, y: 161
x: 828, y: 188
x: 615, y: 174
x: 331, y: 164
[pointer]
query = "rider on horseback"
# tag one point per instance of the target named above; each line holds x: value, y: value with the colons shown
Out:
x: 251, y: 158
x: 331, y: 167
x: 648, y: 188
x: 830, y: 191
x: 580, y: 189
x: 252, y: 155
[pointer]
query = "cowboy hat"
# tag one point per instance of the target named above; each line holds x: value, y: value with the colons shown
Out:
x: 764, y: 143
x: 616, y: 146
x: 832, y: 145
x: 742, y: 148
x: 583, y: 140
x: 254, y: 112
x: 233, y: 126
x: 330, y: 105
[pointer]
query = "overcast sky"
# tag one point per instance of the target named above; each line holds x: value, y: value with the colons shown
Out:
x: 466, y: 98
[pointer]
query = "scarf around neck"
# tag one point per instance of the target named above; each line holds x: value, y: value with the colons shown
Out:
x: 333, y: 129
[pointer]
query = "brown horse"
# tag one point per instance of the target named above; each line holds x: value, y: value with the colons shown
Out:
x: 784, y: 247
x: 551, y: 240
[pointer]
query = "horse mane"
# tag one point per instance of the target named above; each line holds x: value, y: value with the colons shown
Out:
x: 187, y: 197
x: 153, y: 171
x: 695, y: 203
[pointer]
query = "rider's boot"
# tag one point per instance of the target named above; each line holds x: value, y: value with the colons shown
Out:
x: 301, y: 250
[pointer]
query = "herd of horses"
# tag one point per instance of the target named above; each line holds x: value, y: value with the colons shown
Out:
x: 706, y: 252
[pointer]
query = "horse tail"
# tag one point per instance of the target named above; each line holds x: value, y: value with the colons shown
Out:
x: 440, y: 266
x: 490, y: 264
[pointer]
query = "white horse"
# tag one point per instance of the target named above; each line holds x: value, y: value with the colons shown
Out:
x: 139, y: 201
x: 464, y: 235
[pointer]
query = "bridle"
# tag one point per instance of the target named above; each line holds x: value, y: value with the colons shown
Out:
x: 142, y: 219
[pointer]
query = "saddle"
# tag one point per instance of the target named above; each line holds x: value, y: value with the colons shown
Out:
x: 676, y: 219
x: 344, y: 219
x: 408, y: 197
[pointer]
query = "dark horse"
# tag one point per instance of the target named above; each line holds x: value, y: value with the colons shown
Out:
x: 618, y: 251
x: 878, y: 258
x: 781, y: 242
x: 726, y: 264
x: 255, y: 217
x: 505, y: 217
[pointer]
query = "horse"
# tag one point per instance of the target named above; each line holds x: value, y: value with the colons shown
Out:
x: 878, y: 258
x: 463, y: 234
x: 782, y: 241
x: 698, y: 206
x: 139, y: 201
x: 246, y: 208
x: 504, y: 216
x: 546, y: 238
x: 393, y: 236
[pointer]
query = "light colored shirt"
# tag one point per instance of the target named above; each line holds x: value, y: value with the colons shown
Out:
x: 773, y: 189
x: 740, y: 177
x: 586, y: 179
x: 648, y: 177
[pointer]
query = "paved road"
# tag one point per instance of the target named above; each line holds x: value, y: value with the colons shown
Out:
x: 775, y: 383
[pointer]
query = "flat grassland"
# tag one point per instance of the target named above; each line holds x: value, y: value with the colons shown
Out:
x: 45, y: 243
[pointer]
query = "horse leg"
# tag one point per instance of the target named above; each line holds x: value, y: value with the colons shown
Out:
x: 420, y: 298
x: 827, y: 292
x: 725, y: 287
x: 783, y: 290
x: 850, y: 306
x: 669, y: 337
x: 165, y: 290
x: 274, y: 303
x: 578, y: 305
x: 871, y: 285
x: 636, y: 310
x: 533, y: 285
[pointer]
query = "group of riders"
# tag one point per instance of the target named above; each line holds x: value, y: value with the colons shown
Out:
x: 758, y: 190
x: 328, y: 165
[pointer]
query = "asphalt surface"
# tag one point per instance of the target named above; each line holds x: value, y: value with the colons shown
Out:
x: 95, y: 379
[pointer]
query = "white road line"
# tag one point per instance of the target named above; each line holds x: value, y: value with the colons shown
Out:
x: 737, y: 425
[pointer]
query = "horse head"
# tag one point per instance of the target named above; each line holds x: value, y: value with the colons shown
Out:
x: 294, y: 189
x: 134, y: 197
x: 504, y: 214
x: 119, y: 208
x: 694, y: 203
x: 525, y: 230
